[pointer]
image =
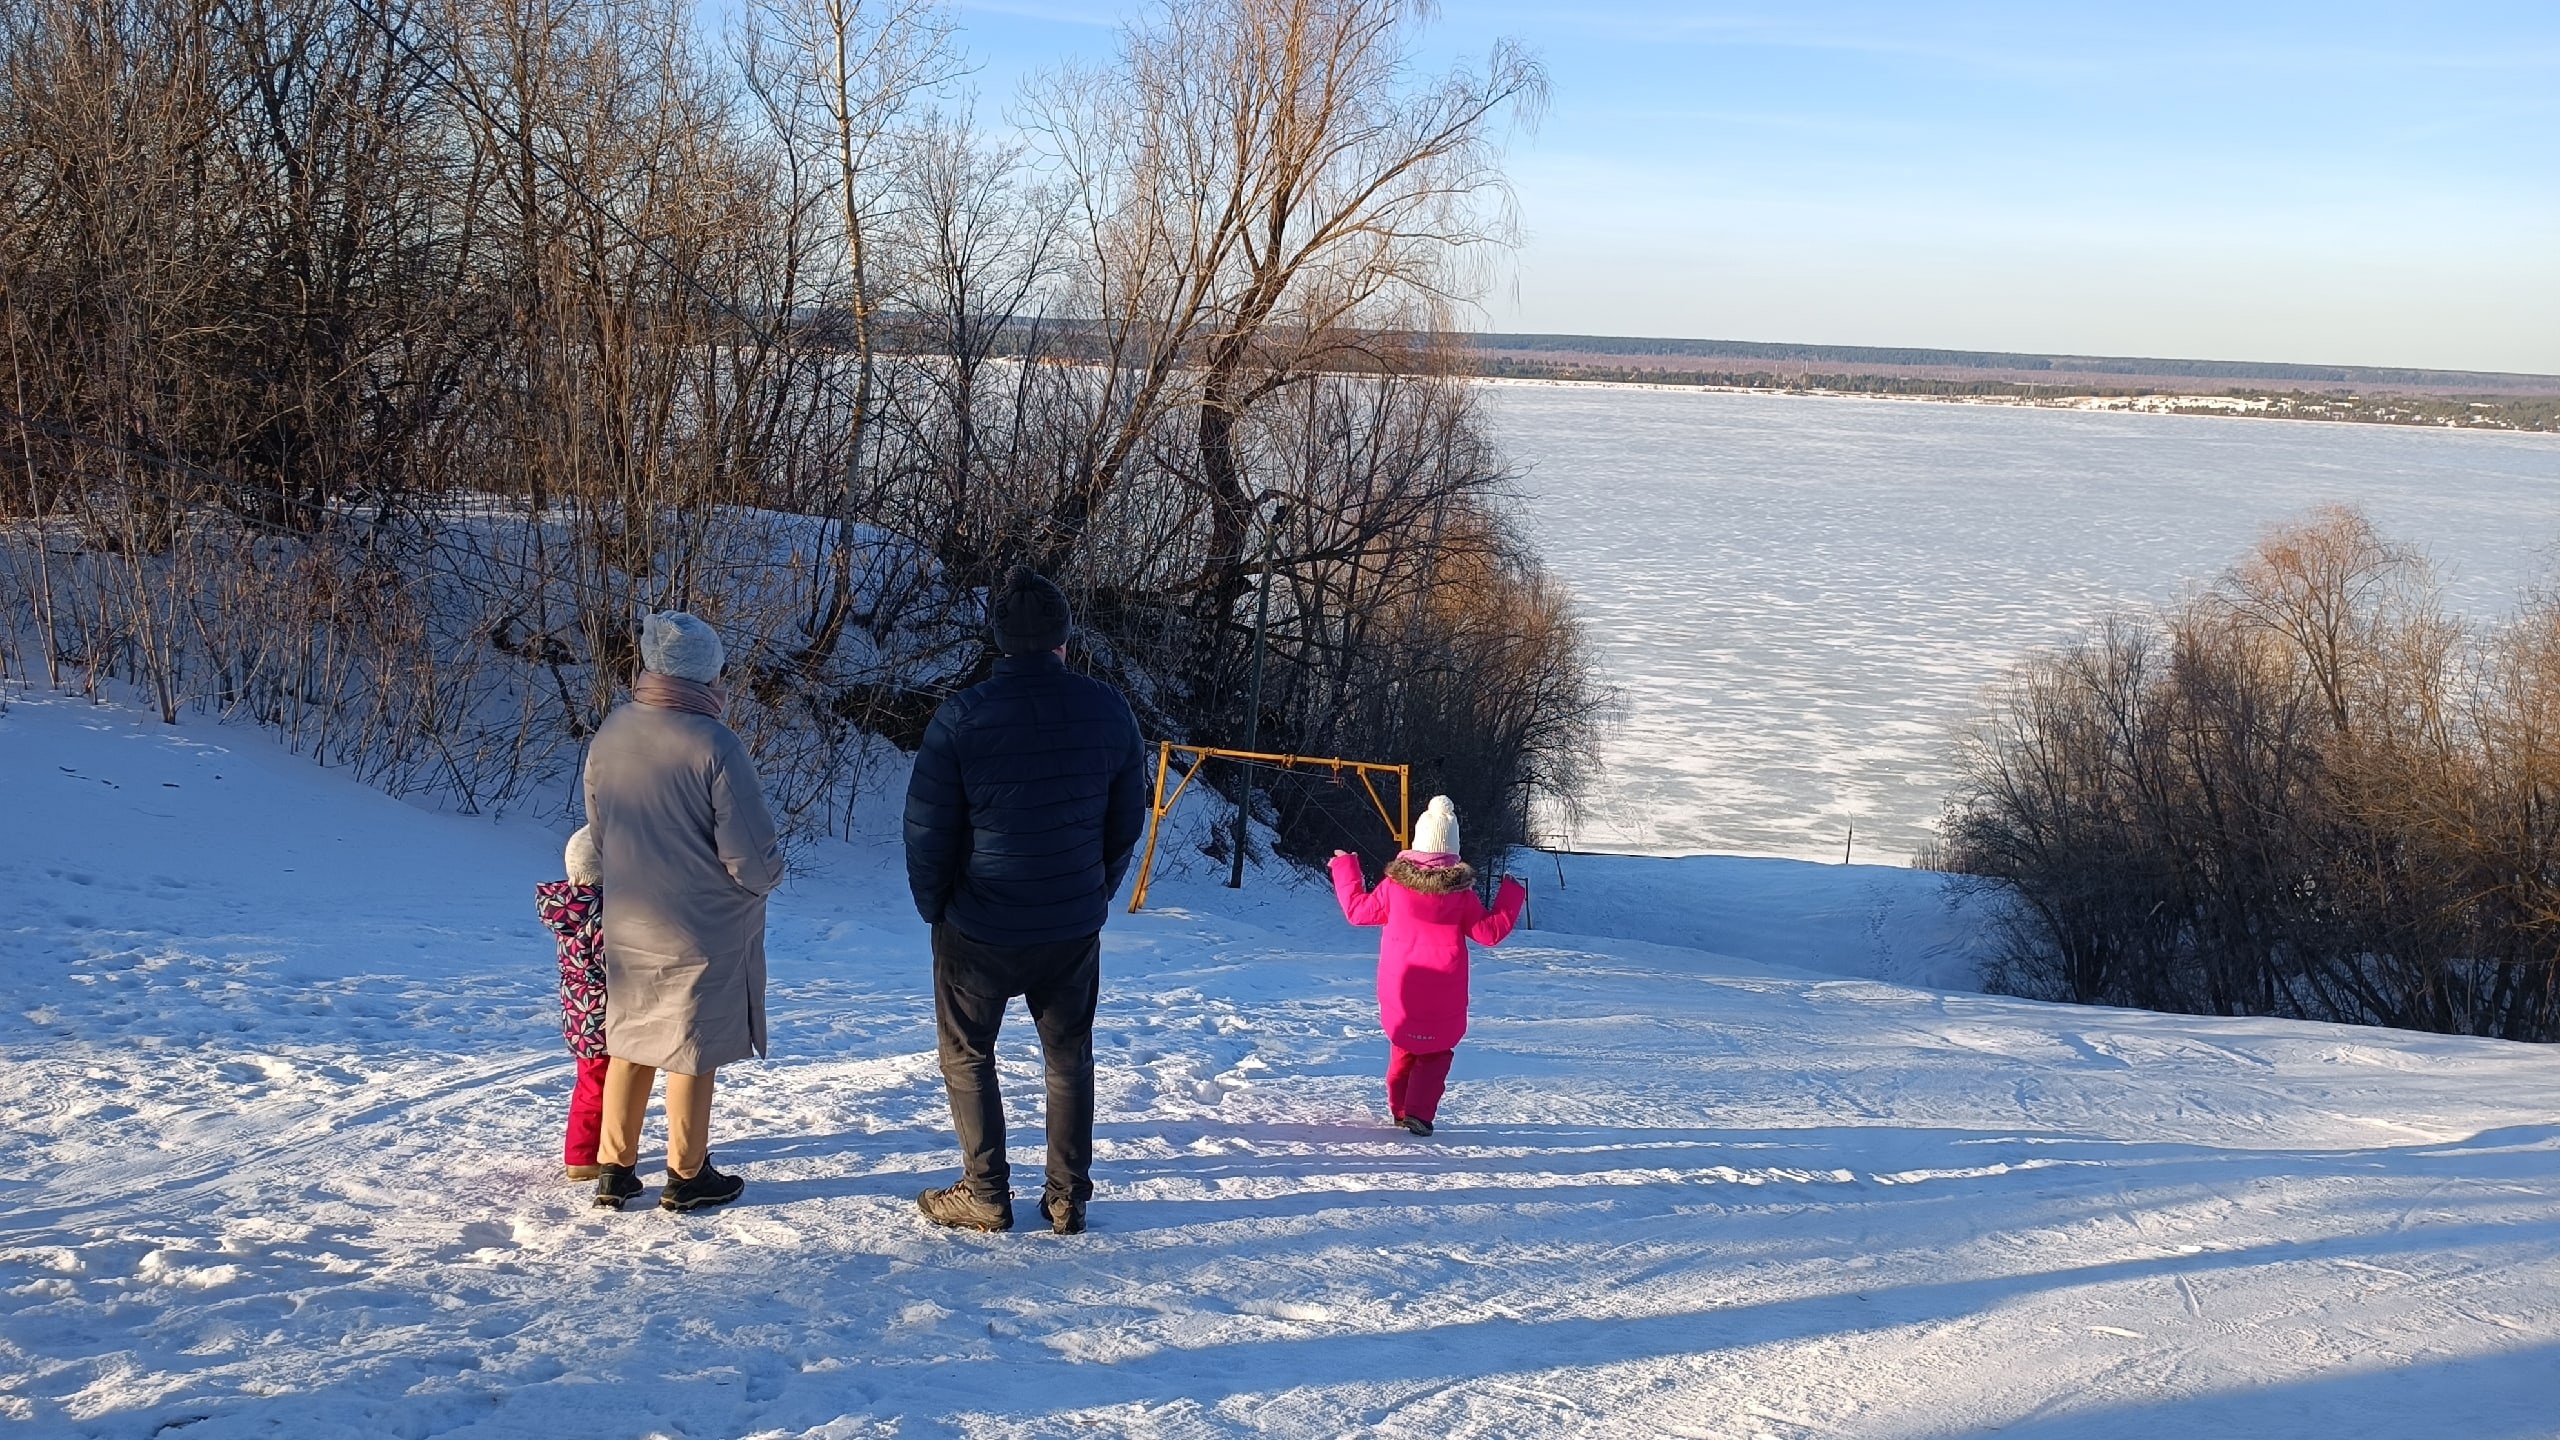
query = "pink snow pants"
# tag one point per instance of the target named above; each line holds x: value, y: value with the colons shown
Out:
x: 1415, y: 1081
x: 586, y: 1112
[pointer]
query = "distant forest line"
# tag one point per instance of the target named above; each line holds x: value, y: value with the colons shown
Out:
x: 2369, y: 394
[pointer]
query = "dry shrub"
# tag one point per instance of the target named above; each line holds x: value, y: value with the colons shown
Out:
x: 2304, y: 792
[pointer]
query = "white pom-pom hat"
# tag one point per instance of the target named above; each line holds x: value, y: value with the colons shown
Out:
x: 677, y: 644
x: 584, y: 862
x: 1436, y: 833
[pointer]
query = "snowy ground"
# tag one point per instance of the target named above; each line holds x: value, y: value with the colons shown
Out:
x: 284, y: 1083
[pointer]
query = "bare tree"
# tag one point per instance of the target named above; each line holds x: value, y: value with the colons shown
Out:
x: 1266, y: 188
x: 370, y: 366
x: 841, y: 75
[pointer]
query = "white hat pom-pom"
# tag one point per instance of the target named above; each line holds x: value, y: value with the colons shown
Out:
x: 584, y: 862
x: 1436, y: 833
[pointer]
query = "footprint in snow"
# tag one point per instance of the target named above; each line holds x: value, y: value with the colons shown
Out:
x: 1297, y: 1310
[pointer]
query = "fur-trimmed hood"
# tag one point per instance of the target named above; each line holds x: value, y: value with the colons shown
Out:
x: 1431, y: 879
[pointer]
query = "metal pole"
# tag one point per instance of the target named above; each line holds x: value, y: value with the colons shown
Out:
x: 1253, y: 702
x: 1155, y: 822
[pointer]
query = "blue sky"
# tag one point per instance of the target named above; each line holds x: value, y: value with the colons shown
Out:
x: 2347, y: 183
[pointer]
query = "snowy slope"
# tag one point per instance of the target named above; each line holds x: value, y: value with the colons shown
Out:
x: 281, y: 1060
x: 1872, y: 922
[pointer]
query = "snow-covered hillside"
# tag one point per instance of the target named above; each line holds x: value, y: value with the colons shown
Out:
x: 284, y: 1082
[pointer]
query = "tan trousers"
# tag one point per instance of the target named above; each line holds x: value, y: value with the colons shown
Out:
x: 626, y: 1104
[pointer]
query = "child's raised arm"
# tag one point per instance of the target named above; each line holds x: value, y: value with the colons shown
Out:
x: 1497, y: 923
x: 1360, y: 905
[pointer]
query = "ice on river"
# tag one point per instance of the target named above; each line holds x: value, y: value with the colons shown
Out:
x: 1800, y: 597
x: 282, y: 1068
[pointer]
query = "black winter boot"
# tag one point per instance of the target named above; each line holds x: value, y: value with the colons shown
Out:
x: 614, y: 1185
x: 1066, y: 1217
x: 955, y: 1207
x: 1414, y: 1123
x: 707, y: 1188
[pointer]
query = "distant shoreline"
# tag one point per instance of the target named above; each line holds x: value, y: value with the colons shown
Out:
x: 2405, y: 412
x: 2357, y: 394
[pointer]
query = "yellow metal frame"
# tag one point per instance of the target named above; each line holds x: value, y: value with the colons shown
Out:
x: 1400, y: 824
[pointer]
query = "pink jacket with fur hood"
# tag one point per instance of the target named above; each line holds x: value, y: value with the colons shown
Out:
x: 1429, y: 915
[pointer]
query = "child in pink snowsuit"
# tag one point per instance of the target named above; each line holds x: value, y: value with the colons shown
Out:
x: 1429, y: 907
x: 573, y: 910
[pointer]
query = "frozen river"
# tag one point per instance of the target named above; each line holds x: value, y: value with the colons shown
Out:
x: 1798, y: 598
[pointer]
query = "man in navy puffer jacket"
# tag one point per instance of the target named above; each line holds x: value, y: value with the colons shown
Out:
x: 1026, y: 802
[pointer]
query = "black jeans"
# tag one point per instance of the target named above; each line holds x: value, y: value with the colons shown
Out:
x: 1062, y: 981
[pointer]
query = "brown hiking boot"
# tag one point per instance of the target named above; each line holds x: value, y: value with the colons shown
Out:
x: 955, y: 1207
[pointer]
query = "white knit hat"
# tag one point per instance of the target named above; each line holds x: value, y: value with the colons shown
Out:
x: 677, y: 644
x: 1436, y: 833
x: 584, y: 862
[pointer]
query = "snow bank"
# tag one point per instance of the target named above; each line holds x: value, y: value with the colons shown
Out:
x: 285, y: 1084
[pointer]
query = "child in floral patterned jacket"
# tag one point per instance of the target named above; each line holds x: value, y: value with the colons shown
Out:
x: 573, y: 910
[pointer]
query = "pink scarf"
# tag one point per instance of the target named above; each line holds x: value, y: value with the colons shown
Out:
x: 1427, y: 859
x: 670, y: 693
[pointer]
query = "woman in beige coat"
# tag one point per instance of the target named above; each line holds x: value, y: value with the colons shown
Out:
x: 689, y: 852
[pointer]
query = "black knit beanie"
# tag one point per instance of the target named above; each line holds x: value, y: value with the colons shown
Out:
x: 1030, y: 614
